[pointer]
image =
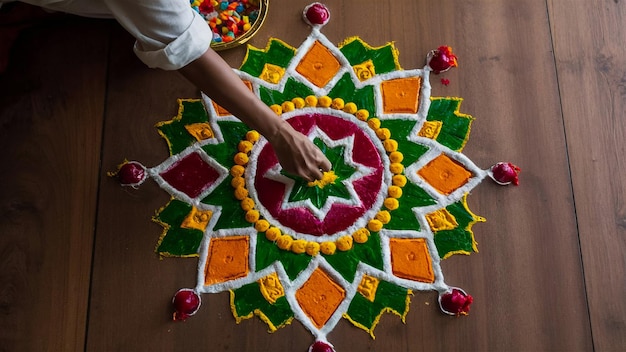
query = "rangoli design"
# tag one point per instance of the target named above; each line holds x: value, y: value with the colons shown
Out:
x: 352, y: 245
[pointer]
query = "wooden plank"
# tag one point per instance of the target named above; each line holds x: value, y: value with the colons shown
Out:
x: 590, y: 57
x: 51, y: 114
x: 526, y: 279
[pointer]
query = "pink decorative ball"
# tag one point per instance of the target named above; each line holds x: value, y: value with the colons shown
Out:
x: 131, y: 173
x: 455, y: 302
x: 186, y: 303
x: 505, y: 173
x: 317, y: 14
x: 321, y: 346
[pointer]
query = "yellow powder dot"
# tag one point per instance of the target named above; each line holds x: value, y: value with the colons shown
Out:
x: 241, y: 158
x: 390, y: 145
x: 238, y: 182
x: 398, y: 180
x: 350, y: 108
x: 284, y: 242
x: 262, y: 225
x: 395, y: 192
x: 272, y: 234
x: 383, y: 133
x: 338, y: 104
x: 396, y: 168
x: 245, y: 146
x: 288, y: 106
x: 374, y: 123
x: 312, y: 248
x: 362, y: 115
x: 396, y: 157
x: 325, y: 101
x: 241, y: 193
x: 391, y: 203
x: 383, y: 216
x: 277, y: 109
x: 361, y: 235
x: 247, y: 204
x: 328, y: 248
x: 344, y: 243
x: 237, y: 170
x: 311, y: 101
x: 252, y: 216
x: 298, y: 102
x: 252, y: 136
x: 298, y: 246
x: 374, y: 225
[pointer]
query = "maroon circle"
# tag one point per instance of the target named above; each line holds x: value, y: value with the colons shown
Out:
x: 271, y: 193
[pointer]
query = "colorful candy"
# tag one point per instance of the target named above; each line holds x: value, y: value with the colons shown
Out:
x: 228, y: 19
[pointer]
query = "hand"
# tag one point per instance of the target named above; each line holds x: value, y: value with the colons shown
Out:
x: 297, y: 154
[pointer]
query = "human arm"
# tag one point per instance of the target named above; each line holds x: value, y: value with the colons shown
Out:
x: 295, y: 152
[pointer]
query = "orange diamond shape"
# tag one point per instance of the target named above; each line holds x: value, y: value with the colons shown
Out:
x: 318, y: 65
x: 319, y: 297
x: 445, y: 174
x: 411, y: 260
x: 401, y: 95
x: 227, y: 259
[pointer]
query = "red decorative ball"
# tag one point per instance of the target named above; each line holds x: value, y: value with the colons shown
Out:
x: 317, y: 14
x: 320, y: 346
x: 505, y: 173
x: 455, y: 302
x: 131, y: 173
x: 186, y: 303
x: 442, y: 59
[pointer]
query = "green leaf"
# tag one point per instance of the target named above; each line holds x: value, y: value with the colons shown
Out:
x: 175, y: 240
x: 455, y: 127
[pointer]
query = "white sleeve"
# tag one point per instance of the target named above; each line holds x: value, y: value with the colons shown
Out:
x: 169, y: 33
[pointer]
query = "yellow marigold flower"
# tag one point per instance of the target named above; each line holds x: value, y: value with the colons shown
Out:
x: 374, y: 123
x: 247, y: 204
x: 262, y: 225
x: 298, y: 246
x: 284, y: 242
x: 362, y: 115
x: 396, y: 168
x: 396, y: 157
x: 391, y: 203
x: 361, y: 235
x: 241, y: 193
x: 311, y: 101
x: 338, y: 103
x: 383, y: 133
x: 237, y: 170
x: 325, y: 101
x: 245, y: 146
x: 395, y: 192
x: 344, y: 243
x: 278, y: 110
x: 328, y: 248
x: 252, y: 216
x: 350, y: 108
x: 383, y: 216
x: 238, y: 182
x: 390, y: 145
x: 398, y: 180
x: 241, y: 158
x: 272, y: 234
x: 288, y: 106
x: 252, y: 136
x: 374, y: 225
x: 312, y: 248
x: 298, y: 102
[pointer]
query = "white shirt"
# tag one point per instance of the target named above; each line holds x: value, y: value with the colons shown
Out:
x: 169, y: 33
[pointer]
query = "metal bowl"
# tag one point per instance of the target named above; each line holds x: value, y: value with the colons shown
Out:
x: 263, y: 8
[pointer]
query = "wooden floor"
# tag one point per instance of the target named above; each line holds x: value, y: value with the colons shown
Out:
x: 545, y: 80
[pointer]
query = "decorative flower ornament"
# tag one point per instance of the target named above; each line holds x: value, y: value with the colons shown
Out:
x: 352, y: 245
x: 441, y: 60
x: 505, y: 173
x: 316, y: 15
